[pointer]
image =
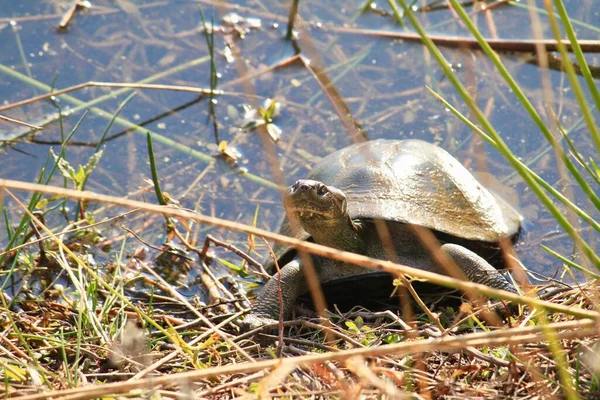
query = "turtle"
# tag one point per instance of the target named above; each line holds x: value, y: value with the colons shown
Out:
x: 401, y: 184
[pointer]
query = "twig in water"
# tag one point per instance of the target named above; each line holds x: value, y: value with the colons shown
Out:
x: 16, y: 121
x: 68, y: 16
x: 203, y: 254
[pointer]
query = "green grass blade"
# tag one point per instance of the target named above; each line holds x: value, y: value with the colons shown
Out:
x: 570, y: 70
x: 157, y: 190
x: 579, y: 157
x: 497, y: 141
x: 569, y: 262
x: 555, y: 193
x: 35, y: 198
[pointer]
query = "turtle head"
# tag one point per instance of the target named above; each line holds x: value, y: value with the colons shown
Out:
x: 315, y: 205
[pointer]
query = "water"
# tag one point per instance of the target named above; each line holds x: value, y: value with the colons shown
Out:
x: 381, y: 81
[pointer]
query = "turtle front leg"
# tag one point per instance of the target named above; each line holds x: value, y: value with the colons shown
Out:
x: 477, y: 269
x: 266, y: 309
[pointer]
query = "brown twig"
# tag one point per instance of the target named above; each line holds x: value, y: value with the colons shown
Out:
x: 70, y: 13
x: 16, y: 121
x: 526, y: 46
x: 203, y: 254
x: 189, y: 89
x: 565, y: 330
x: 193, y: 342
x: 211, y: 282
x: 168, y: 288
x: 303, y: 246
x: 352, y: 126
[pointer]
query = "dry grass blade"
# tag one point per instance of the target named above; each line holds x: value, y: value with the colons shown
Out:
x: 301, y: 245
x: 528, y: 46
x: 95, y: 276
x: 536, y: 334
x: 16, y: 121
x: 358, y: 366
x: 352, y: 126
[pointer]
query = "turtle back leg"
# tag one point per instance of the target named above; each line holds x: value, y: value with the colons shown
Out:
x: 266, y: 308
x: 476, y: 269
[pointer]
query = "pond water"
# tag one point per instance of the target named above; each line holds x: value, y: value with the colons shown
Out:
x: 379, y: 80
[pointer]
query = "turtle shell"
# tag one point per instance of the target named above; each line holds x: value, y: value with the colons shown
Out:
x: 416, y: 182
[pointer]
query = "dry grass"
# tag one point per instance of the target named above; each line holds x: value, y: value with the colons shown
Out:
x: 348, y: 359
x: 162, y: 343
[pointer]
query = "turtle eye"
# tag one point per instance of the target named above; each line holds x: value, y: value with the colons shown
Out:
x: 322, y: 190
